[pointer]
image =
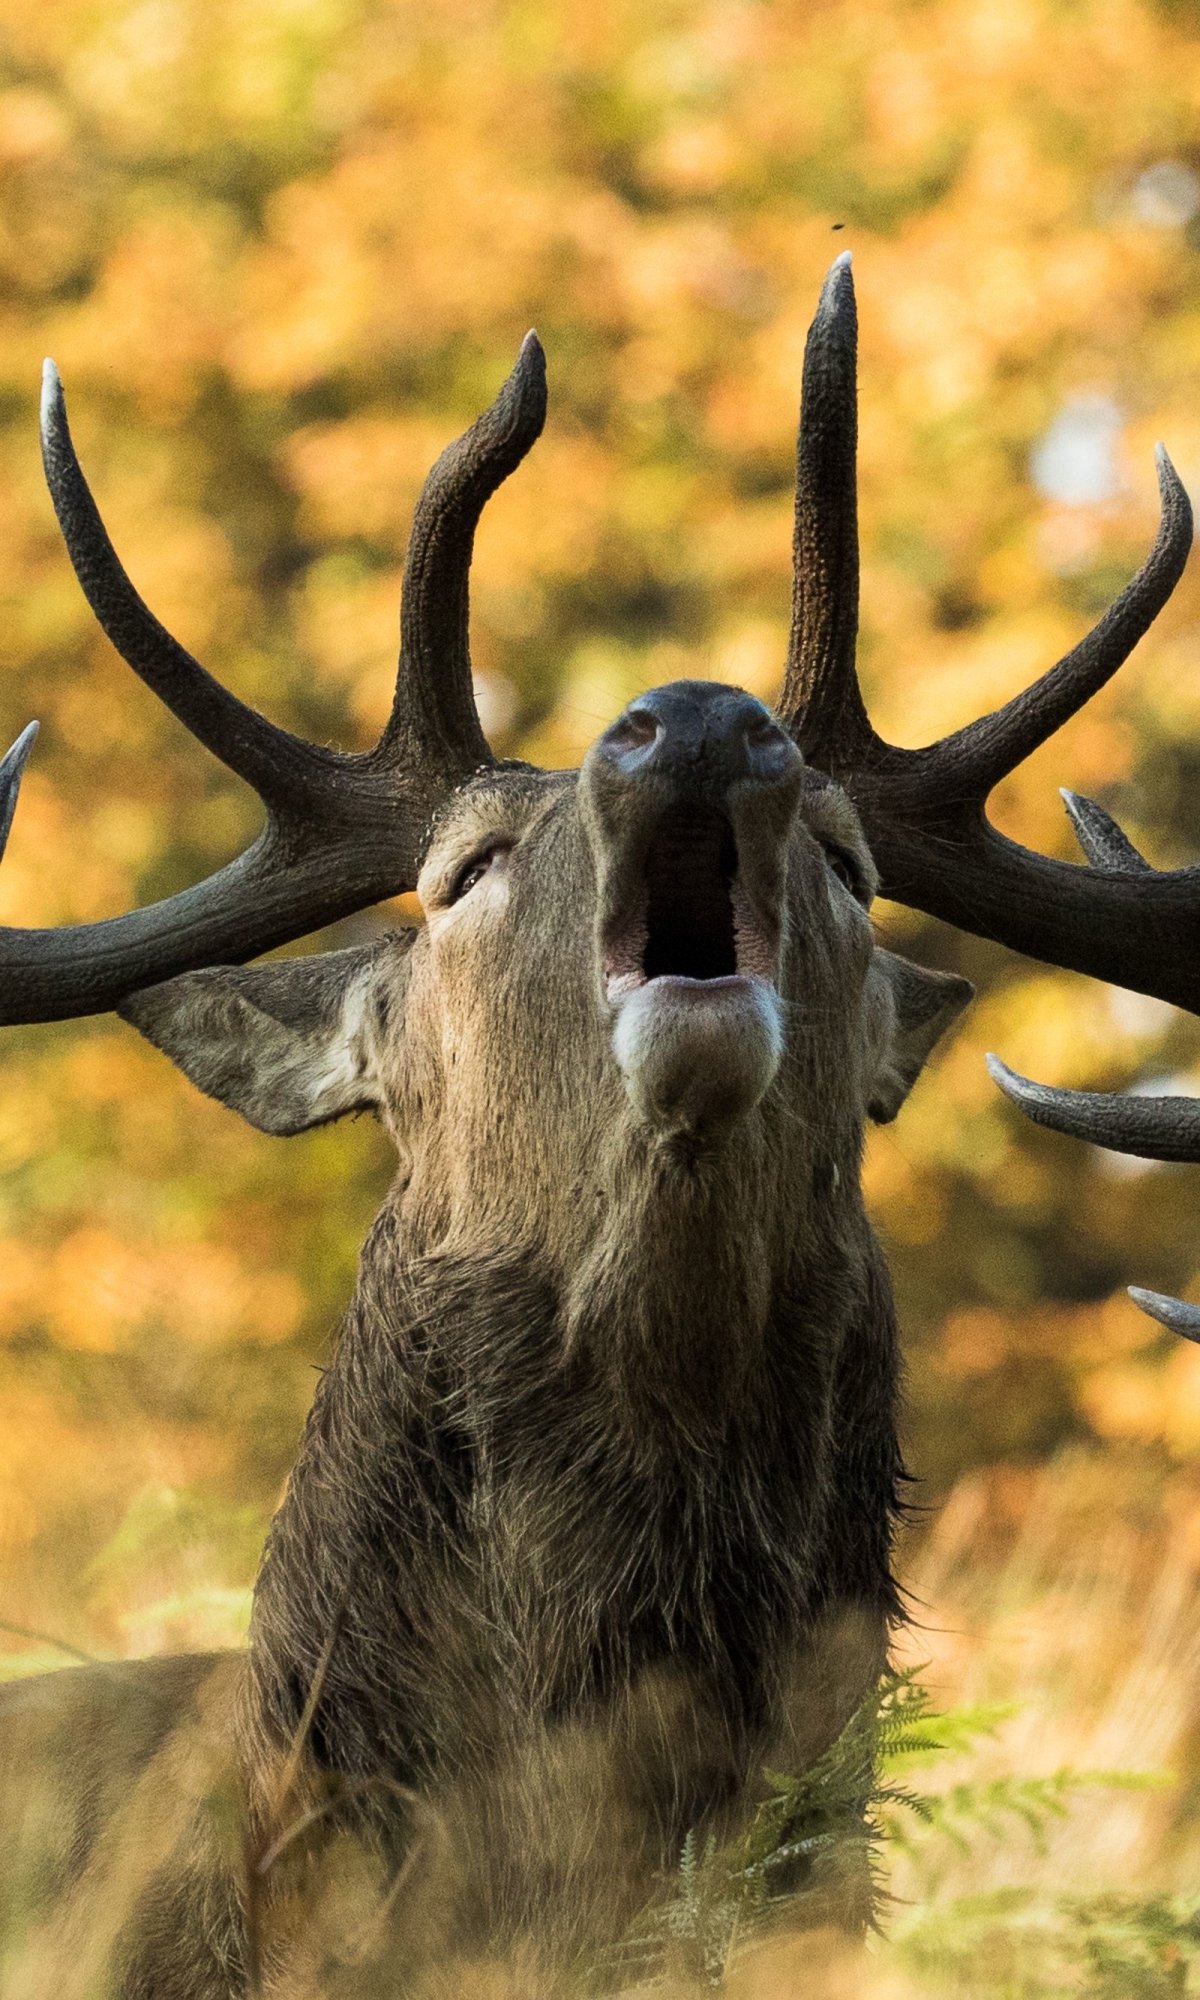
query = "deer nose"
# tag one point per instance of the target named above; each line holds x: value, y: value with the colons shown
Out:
x: 700, y: 738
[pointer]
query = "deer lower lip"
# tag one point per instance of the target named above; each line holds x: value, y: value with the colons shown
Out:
x: 697, y: 1055
x: 693, y: 923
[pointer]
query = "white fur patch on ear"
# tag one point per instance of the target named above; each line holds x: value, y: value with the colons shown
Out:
x: 288, y: 1045
x: 923, y: 1005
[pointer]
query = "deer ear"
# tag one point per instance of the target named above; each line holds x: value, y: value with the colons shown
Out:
x: 289, y: 1044
x: 922, y: 1006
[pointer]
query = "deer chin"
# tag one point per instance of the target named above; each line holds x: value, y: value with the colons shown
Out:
x: 698, y: 1054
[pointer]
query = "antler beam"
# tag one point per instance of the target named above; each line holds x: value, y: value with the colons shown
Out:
x: 342, y: 831
x: 924, y: 810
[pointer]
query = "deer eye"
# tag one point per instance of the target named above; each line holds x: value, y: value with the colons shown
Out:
x: 846, y: 867
x: 474, y: 870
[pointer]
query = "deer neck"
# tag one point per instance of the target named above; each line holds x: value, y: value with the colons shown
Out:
x: 486, y: 1435
x: 664, y: 1261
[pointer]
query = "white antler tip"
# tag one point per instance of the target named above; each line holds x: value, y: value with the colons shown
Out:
x: 1175, y: 1314
x: 14, y: 758
x: 1165, y: 464
x: 51, y: 387
x: 837, y: 292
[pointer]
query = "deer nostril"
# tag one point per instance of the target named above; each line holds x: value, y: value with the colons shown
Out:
x: 769, y: 749
x: 633, y: 730
x: 762, y: 733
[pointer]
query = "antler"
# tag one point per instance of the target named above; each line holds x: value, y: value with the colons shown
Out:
x: 1152, y: 1128
x: 342, y: 831
x: 923, y: 810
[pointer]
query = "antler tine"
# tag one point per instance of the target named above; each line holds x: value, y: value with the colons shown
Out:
x: 821, y: 703
x: 433, y: 720
x: 1105, y: 843
x: 1175, y: 1314
x: 983, y: 752
x: 12, y: 765
x: 1151, y: 1128
x: 282, y: 768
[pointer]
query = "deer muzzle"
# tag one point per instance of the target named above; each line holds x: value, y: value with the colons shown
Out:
x: 689, y: 800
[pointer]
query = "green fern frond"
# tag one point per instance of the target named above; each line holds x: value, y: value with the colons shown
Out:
x: 812, y: 1832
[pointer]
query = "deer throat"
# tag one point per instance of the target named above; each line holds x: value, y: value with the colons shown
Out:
x: 673, y: 1296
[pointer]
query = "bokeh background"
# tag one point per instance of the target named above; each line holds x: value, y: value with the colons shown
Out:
x: 282, y: 252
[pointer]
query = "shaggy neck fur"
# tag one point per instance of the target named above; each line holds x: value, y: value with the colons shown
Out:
x: 634, y: 1504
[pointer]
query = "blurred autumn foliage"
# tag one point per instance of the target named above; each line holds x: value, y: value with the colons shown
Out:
x: 282, y: 252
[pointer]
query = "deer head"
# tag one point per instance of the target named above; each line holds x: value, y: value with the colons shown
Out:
x: 655, y: 973
x: 663, y: 957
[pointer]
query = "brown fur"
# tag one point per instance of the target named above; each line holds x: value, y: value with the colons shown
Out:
x: 593, y: 1511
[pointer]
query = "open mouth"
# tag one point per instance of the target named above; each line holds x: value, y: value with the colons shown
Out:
x: 692, y: 920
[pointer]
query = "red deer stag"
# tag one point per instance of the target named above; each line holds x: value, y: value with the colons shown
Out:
x: 593, y: 1512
